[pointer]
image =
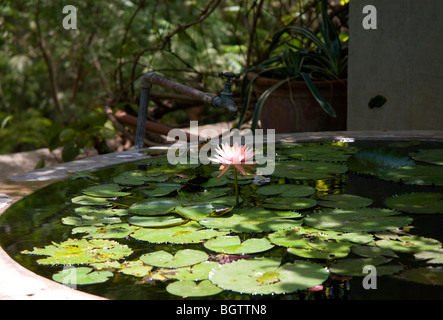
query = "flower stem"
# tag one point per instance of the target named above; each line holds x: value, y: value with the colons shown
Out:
x: 236, y: 187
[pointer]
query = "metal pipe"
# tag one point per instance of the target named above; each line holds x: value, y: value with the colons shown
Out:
x: 224, y: 100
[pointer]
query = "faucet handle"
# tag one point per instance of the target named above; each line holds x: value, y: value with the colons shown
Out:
x: 229, y: 75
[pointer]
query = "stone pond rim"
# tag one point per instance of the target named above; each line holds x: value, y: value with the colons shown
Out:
x: 19, y: 283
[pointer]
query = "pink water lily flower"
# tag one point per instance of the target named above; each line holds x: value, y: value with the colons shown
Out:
x: 236, y: 155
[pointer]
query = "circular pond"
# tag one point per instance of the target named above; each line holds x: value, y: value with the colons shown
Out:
x: 312, y: 229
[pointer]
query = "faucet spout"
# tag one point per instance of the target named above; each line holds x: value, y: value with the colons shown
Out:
x: 225, y: 99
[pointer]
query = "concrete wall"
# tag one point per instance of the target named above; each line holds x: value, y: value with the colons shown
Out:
x: 401, y: 60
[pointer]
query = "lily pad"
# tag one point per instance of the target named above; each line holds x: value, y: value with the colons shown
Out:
x: 427, y: 275
x: 203, y: 210
x: 115, y: 231
x: 321, y: 152
x: 301, y: 236
x: 189, y: 288
x: 357, y: 220
x: 354, y: 266
x: 250, y: 220
x: 81, y: 251
x: 434, y: 156
x: 81, y: 276
x: 99, y: 212
x: 154, y: 207
x: 131, y: 178
x: 289, y: 203
x: 90, y: 221
x: 344, y: 201
x: 105, y: 191
x: 90, y: 201
x: 375, y: 160
x: 156, y: 221
x: 420, y: 202
x: 415, y: 175
x: 314, y: 245
x: 268, y: 276
x: 431, y: 256
x: 135, y: 268
x: 286, y: 190
x: 371, y: 251
x: 182, y: 258
x: 295, y: 169
x: 199, y: 271
x: 322, y: 250
x: 409, y: 244
x: 190, y: 232
x: 233, y: 245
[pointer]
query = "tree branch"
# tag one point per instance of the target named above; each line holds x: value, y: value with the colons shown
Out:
x: 49, y: 63
x: 207, y: 11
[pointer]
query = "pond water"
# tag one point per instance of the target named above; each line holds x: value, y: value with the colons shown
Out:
x: 292, y: 230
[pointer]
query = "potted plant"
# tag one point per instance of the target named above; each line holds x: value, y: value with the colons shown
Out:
x: 301, y: 85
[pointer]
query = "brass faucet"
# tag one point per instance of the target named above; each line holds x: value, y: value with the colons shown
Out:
x: 223, y: 100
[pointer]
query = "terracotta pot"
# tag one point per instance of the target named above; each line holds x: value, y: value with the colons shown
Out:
x: 292, y: 108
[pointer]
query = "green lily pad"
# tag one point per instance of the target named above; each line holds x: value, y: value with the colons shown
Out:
x: 295, y: 169
x: 427, y: 275
x: 267, y: 276
x: 233, y: 245
x: 105, y: 191
x: 301, y: 236
x: 135, y: 268
x: 156, y: 221
x: 162, y: 189
x: 115, y: 231
x: 344, y: 201
x: 321, y: 152
x: 309, y: 243
x: 201, y: 211
x: 289, y: 203
x: 354, y: 266
x: 99, y: 212
x: 434, y: 156
x: 81, y: 276
x: 286, y: 190
x: 154, y: 207
x: 409, y: 244
x: 90, y: 221
x: 420, y: 202
x: 431, y: 256
x: 81, y: 251
x: 90, y: 201
x: 182, y: 258
x: 375, y: 160
x: 322, y: 250
x: 371, y: 251
x: 199, y: 271
x: 131, y: 178
x: 357, y: 220
x: 415, y: 175
x: 250, y: 220
x: 189, y: 288
x: 190, y: 232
